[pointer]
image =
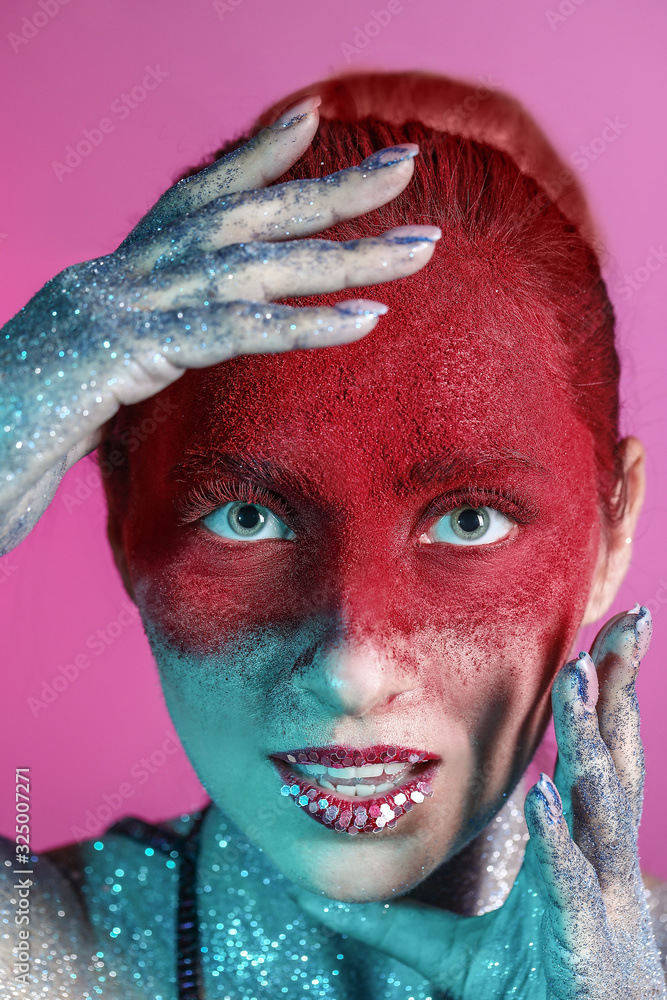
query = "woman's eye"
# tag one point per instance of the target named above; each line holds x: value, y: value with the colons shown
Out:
x: 246, y: 522
x: 469, y: 526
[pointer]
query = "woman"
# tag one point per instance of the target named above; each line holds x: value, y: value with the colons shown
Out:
x: 360, y: 569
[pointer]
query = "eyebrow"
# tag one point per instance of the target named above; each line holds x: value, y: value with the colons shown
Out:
x: 451, y: 465
x: 225, y: 465
x: 454, y: 464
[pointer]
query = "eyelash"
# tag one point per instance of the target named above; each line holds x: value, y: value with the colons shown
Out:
x: 507, y: 501
x: 211, y: 494
x: 214, y: 493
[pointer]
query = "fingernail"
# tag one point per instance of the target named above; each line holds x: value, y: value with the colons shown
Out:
x: 552, y: 799
x: 392, y: 154
x: 297, y: 112
x: 627, y: 635
x: 361, y: 307
x: 643, y: 631
x: 587, y: 678
x: 413, y: 234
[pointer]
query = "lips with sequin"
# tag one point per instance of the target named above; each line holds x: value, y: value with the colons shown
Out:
x: 356, y: 791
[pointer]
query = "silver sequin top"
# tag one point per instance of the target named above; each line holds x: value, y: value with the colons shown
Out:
x: 102, y: 921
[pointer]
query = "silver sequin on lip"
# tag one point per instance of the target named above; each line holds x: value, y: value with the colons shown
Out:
x: 338, y: 756
x: 345, y: 812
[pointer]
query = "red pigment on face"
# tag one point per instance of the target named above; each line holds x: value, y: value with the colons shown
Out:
x: 342, y: 430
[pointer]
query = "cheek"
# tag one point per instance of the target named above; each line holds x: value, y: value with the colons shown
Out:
x: 523, y: 600
x: 439, y: 610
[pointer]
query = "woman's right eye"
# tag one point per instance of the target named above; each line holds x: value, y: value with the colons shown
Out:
x: 246, y: 522
x: 468, y: 526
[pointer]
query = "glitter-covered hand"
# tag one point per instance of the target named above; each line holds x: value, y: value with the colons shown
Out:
x: 576, y: 923
x: 190, y: 287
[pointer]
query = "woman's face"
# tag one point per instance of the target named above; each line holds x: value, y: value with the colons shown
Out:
x: 361, y: 615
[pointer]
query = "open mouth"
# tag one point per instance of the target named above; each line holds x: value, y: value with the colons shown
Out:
x: 356, y: 791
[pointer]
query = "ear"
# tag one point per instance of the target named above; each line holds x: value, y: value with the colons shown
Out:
x: 115, y: 536
x: 616, y: 550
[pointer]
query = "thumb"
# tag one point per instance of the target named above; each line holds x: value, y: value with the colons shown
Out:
x: 440, y: 946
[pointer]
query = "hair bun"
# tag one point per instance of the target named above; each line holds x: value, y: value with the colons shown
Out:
x: 478, y: 111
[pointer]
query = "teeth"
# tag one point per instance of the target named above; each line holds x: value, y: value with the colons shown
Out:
x: 354, y: 791
x: 350, y: 773
x: 365, y: 790
x: 344, y: 772
x: 326, y: 784
x: 370, y: 770
x: 380, y: 789
x: 313, y: 769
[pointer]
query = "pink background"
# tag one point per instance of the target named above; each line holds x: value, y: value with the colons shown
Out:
x: 96, y: 751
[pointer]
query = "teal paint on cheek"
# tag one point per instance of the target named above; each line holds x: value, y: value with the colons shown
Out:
x: 246, y: 635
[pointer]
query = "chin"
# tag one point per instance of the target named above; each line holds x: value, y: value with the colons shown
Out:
x: 361, y: 869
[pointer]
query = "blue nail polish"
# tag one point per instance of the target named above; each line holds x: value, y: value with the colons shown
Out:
x: 643, y: 633
x: 387, y: 157
x: 409, y: 239
x: 587, y: 682
x: 552, y: 800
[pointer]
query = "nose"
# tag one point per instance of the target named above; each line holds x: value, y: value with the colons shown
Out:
x: 355, y: 677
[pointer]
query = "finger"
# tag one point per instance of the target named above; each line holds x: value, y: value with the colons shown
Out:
x: 197, y: 337
x: 260, y: 161
x: 602, y: 824
x: 280, y: 270
x: 285, y: 211
x: 575, y: 907
x: 617, y: 652
x: 440, y: 946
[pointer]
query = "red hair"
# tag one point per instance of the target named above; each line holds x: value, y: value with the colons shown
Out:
x: 488, y: 176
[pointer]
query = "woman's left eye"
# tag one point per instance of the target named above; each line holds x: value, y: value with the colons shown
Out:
x: 246, y: 522
x: 469, y: 526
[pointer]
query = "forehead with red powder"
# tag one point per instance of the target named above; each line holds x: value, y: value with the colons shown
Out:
x: 349, y: 426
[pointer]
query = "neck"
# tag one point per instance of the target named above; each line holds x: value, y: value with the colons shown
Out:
x: 464, y: 884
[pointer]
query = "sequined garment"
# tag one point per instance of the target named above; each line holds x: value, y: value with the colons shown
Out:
x: 236, y: 933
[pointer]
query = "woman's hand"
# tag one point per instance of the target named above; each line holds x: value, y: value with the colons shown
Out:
x: 576, y: 923
x: 189, y: 287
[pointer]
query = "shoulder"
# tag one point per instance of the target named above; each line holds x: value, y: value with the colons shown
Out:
x: 45, y: 930
x: 656, y: 898
x: 71, y: 899
x: 108, y: 871
x: 128, y: 880
x: 40, y: 881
